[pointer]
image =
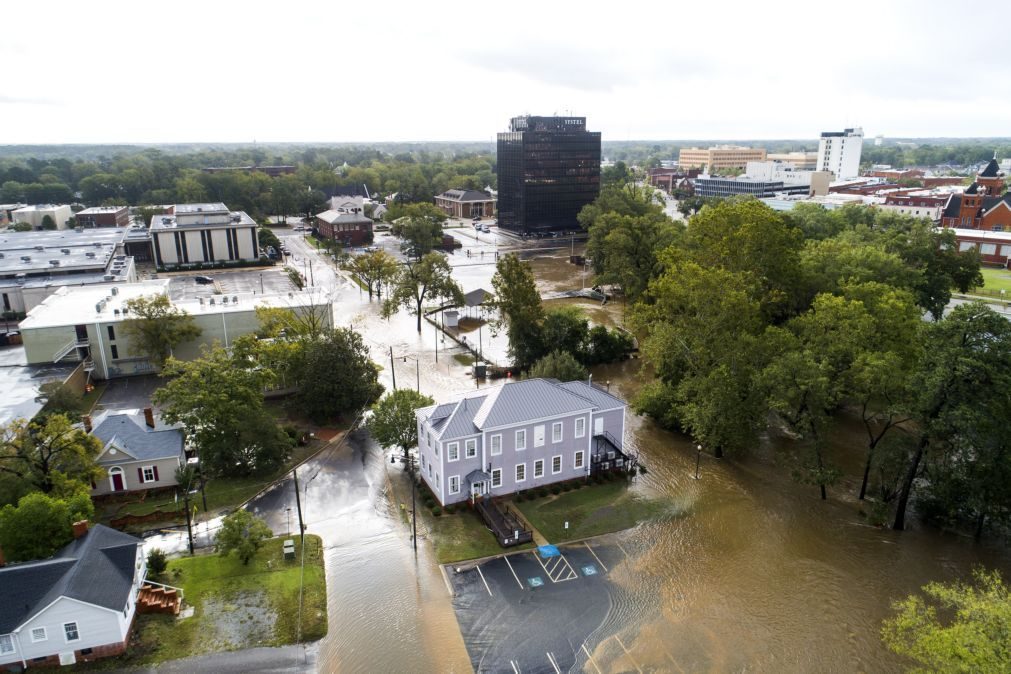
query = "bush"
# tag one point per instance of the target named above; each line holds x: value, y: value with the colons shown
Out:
x: 157, y: 562
x: 450, y: 510
x: 542, y: 492
x: 566, y: 486
x: 437, y: 511
x: 556, y: 490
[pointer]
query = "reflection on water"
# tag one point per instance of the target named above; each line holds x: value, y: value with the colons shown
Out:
x: 756, y: 574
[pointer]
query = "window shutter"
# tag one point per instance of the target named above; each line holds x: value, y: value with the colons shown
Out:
x: 156, y: 473
x: 140, y: 475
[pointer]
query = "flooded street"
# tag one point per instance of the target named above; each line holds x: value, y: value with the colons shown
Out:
x: 751, y: 572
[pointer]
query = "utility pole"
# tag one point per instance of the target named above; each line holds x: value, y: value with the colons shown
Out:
x: 417, y: 368
x: 298, y: 503
x: 393, y: 371
x: 189, y: 521
x: 436, y: 343
x: 312, y: 281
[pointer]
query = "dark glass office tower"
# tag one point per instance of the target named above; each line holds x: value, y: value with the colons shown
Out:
x: 548, y: 169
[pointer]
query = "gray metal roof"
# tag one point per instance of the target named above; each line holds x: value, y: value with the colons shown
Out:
x: 602, y: 400
x: 334, y: 217
x: 462, y: 420
x: 129, y: 433
x: 466, y: 195
x: 521, y: 401
x: 97, y: 568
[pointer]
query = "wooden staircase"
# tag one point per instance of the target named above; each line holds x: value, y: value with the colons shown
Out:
x: 159, y: 599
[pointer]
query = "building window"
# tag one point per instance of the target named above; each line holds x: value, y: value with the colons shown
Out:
x: 148, y: 474
x: 429, y: 469
x: 6, y: 644
x: 988, y: 249
x: 453, y: 451
x: 539, y: 436
x: 521, y: 472
x: 70, y: 630
x: 556, y: 431
x: 435, y: 448
x: 496, y: 478
x: 39, y: 634
x: 496, y: 444
x: 580, y: 427
x: 430, y: 440
x: 578, y: 461
x: 539, y: 468
x: 454, y: 484
x: 115, y: 352
x: 471, y: 448
x: 437, y: 483
x: 521, y: 440
x: 556, y: 464
x: 112, y: 333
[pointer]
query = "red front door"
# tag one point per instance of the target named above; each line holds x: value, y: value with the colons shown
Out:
x: 117, y: 482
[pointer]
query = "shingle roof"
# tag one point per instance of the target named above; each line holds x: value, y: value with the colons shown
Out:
x: 972, y: 189
x: 991, y: 169
x: 952, y: 207
x: 129, y: 433
x: 97, y: 568
x: 466, y: 195
x: 334, y: 217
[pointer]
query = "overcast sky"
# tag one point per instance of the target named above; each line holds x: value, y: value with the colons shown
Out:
x: 182, y: 71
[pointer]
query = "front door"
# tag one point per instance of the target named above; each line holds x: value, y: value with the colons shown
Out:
x: 117, y: 481
x: 598, y: 426
x: 477, y: 489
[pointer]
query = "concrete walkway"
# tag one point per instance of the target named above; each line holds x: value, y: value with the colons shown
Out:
x: 284, y: 659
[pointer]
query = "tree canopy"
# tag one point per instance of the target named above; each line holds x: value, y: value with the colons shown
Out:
x: 155, y: 327
x: 430, y: 278
x: 241, y: 533
x: 393, y: 423
x: 40, y: 524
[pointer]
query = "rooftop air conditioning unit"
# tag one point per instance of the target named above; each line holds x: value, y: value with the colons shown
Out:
x: 115, y: 312
x: 40, y: 247
x: 26, y: 258
x: 212, y: 302
x: 115, y: 291
x: 125, y: 311
x: 224, y: 300
x: 55, y: 263
x: 235, y: 299
x: 109, y: 277
x: 65, y: 251
x: 201, y: 301
x: 90, y: 254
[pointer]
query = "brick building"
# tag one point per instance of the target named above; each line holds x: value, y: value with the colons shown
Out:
x: 466, y: 203
x: 103, y: 216
x: 983, y: 205
x: 350, y: 229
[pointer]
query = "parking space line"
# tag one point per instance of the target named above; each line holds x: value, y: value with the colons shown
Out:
x: 637, y: 667
x: 506, y: 558
x: 590, y: 658
x: 595, y: 555
x: 553, y: 663
x: 560, y: 560
x: 516, y: 668
x: 483, y: 580
x: 622, y: 549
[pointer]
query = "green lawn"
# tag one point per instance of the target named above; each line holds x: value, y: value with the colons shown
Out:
x: 590, y: 511
x: 996, y: 279
x: 235, y: 606
x: 461, y: 536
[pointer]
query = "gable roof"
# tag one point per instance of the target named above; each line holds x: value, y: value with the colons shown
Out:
x: 333, y: 217
x: 97, y: 569
x: 466, y: 195
x: 513, y: 403
x: 952, y: 208
x: 128, y: 432
x: 991, y: 169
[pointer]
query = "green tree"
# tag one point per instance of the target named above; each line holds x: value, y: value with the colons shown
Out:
x: 625, y: 248
x: 243, y: 534
x: 373, y: 269
x: 335, y: 375
x: 393, y: 423
x: 219, y: 402
x: 421, y: 226
x: 430, y: 278
x: 21, y: 227
x: 266, y: 237
x: 295, y: 277
x: 155, y: 327
x: 157, y: 563
x: 559, y: 365
x: 48, y: 222
x: 59, y: 398
x: 41, y: 524
x: 519, y: 307
x: 624, y: 198
x: 955, y: 627
x: 49, y: 453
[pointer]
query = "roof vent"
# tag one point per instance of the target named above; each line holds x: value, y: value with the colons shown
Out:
x: 26, y: 258
x: 235, y: 299
x: 115, y: 291
x: 40, y: 247
x: 90, y: 253
x: 98, y: 244
x: 55, y: 263
x: 65, y: 251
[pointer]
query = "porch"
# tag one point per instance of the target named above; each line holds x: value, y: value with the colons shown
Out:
x: 607, y: 455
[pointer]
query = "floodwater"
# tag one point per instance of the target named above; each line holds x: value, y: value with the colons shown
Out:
x: 756, y: 574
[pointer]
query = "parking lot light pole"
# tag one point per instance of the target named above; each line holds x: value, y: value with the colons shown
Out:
x: 698, y: 458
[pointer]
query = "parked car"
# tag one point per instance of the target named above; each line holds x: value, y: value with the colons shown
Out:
x: 203, y: 280
x: 477, y: 225
x: 476, y: 218
x: 484, y: 228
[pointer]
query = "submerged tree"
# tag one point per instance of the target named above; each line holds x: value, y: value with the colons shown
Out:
x: 430, y: 278
x: 155, y: 327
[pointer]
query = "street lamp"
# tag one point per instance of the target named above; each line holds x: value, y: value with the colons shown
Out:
x: 288, y: 512
x: 698, y: 458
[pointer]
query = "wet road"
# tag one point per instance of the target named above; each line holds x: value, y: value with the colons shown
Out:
x: 758, y: 575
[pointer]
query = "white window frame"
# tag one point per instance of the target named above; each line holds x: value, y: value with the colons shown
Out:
x: 539, y: 435
x: 580, y: 427
x: 578, y: 459
x: 557, y: 429
x: 496, y: 478
x: 522, y: 433
x: 451, y: 449
x: 6, y: 644
x: 77, y: 631
x: 470, y: 446
x: 144, y: 470
x: 438, y: 487
x: 435, y: 447
x: 429, y: 469
x: 516, y: 473
x: 538, y: 468
x: 451, y: 479
x: 44, y: 637
x: 559, y: 457
x: 491, y: 444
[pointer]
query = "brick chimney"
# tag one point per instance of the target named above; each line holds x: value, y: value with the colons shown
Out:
x: 149, y: 417
x: 87, y: 423
x: 80, y: 528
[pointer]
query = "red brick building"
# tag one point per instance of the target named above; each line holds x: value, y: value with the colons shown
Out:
x: 466, y: 203
x: 672, y: 180
x: 103, y: 216
x: 983, y: 205
x: 350, y: 229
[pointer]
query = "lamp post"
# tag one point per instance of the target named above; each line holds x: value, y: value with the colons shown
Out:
x: 698, y: 458
x: 288, y: 512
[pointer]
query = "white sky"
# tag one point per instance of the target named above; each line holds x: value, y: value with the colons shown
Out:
x: 293, y: 70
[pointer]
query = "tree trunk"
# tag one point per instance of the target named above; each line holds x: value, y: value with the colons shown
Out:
x: 980, y: 521
x: 718, y: 452
x: 867, y: 472
x: 907, y: 486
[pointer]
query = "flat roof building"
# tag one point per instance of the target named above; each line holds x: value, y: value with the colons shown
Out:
x: 719, y: 157
x: 839, y: 152
x: 716, y: 186
x: 84, y: 324
x: 803, y: 161
x: 197, y: 234
x: 548, y: 169
x: 103, y: 216
x: 35, y: 215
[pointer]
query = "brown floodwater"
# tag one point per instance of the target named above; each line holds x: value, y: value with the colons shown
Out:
x: 750, y: 572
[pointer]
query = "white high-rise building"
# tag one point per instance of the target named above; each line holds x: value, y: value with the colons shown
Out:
x: 839, y: 152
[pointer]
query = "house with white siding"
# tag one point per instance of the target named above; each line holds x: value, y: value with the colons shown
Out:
x: 77, y: 606
x: 139, y: 451
x: 520, y: 435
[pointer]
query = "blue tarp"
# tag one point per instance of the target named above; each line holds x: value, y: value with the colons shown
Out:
x: 548, y: 551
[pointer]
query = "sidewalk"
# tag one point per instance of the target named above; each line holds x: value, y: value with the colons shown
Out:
x: 296, y: 658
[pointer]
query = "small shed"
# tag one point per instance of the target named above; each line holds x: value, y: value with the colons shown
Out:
x: 451, y: 318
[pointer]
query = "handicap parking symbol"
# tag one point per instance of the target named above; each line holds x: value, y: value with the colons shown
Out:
x: 535, y: 581
x: 589, y: 570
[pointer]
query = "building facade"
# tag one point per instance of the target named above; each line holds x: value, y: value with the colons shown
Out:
x: 803, y: 161
x: 139, y: 451
x: 466, y: 203
x: 193, y: 234
x: 839, y: 152
x: 350, y: 229
x: 548, y: 169
x: 713, y: 186
x: 35, y: 215
x: 103, y: 216
x: 983, y: 205
x: 719, y: 157
x: 519, y: 435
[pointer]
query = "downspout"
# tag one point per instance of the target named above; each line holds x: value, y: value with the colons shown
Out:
x: 21, y: 651
x: 101, y: 348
